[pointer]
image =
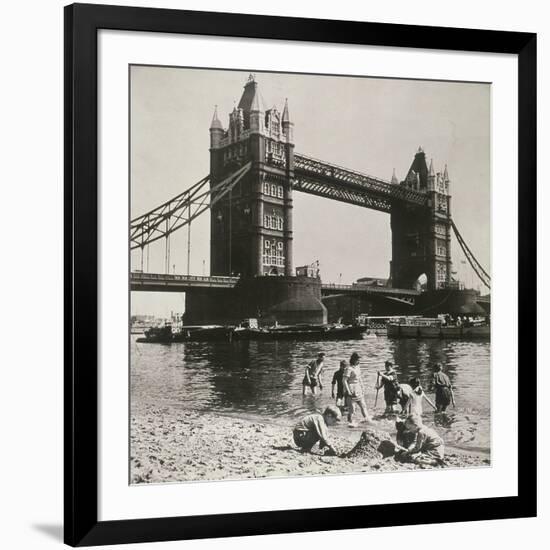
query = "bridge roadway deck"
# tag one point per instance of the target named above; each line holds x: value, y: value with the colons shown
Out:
x: 161, y: 282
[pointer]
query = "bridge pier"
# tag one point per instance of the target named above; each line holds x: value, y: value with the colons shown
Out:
x: 452, y: 301
x: 282, y: 300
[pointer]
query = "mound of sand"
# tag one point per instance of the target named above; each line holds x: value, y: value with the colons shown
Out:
x: 372, y: 445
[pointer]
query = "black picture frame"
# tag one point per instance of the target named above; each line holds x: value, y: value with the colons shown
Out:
x: 81, y: 25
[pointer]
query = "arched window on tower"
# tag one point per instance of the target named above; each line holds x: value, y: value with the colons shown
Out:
x: 275, y: 126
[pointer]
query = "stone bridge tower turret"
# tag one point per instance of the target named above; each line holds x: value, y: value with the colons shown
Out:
x: 251, y: 228
x: 421, y: 236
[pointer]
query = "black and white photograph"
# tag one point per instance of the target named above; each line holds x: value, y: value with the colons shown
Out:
x: 310, y: 274
x: 274, y: 274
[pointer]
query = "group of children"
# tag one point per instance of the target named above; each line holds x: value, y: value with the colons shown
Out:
x: 346, y: 380
x: 407, y: 398
x: 415, y: 441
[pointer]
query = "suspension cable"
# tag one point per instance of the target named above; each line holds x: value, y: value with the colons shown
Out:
x: 483, y: 276
x: 148, y: 227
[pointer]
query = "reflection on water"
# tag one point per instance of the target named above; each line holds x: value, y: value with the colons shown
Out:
x: 265, y: 378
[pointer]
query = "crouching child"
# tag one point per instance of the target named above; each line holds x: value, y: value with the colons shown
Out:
x: 427, y: 447
x: 403, y: 437
x: 313, y: 428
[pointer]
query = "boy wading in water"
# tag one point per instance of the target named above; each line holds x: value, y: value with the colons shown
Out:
x: 388, y: 380
x: 338, y: 383
x: 353, y: 388
x: 427, y: 448
x: 314, y: 427
x: 312, y: 375
x: 443, y: 389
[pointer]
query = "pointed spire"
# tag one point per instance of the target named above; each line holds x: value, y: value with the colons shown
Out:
x: 216, y: 124
x: 394, y: 179
x: 286, y: 116
x: 420, y: 150
x: 256, y: 104
x: 432, y: 171
x: 445, y: 174
x: 251, y: 100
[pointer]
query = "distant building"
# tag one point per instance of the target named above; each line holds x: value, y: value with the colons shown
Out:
x: 308, y: 271
x: 142, y: 318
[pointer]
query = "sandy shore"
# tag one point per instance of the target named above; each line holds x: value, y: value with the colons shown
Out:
x: 170, y: 445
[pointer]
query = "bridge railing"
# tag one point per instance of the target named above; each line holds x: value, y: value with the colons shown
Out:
x: 337, y: 286
x: 370, y: 289
x: 140, y: 276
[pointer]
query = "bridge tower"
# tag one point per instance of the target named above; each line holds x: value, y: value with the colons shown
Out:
x: 421, y: 236
x: 251, y: 227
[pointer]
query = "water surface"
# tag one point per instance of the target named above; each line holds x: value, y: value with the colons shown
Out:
x: 264, y: 379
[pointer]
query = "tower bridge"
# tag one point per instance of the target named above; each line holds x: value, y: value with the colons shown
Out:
x: 254, y: 172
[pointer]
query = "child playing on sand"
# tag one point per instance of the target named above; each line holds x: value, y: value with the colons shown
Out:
x: 427, y: 448
x: 403, y: 437
x: 314, y: 427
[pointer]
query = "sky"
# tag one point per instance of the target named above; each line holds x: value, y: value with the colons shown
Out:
x: 371, y: 125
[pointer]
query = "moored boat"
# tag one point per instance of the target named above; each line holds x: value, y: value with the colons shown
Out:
x: 207, y: 333
x: 419, y: 327
x: 157, y: 335
x: 249, y: 330
x: 311, y: 332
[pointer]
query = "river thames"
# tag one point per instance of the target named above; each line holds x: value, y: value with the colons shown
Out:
x: 264, y: 379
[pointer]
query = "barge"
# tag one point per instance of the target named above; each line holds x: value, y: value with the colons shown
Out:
x: 250, y: 330
x: 420, y: 327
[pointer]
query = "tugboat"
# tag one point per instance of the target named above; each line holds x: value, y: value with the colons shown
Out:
x: 157, y: 335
